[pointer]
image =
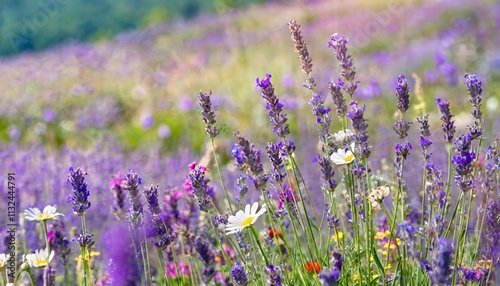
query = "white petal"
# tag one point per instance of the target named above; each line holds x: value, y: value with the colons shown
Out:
x: 247, y: 209
x: 261, y: 212
x: 254, y: 208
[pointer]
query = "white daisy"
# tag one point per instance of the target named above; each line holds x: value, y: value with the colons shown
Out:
x: 4, y: 258
x: 40, y: 258
x: 343, y: 156
x: 34, y: 214
x: 244, y: 219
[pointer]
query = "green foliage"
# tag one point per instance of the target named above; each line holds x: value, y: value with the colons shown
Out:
x: 36, y: 25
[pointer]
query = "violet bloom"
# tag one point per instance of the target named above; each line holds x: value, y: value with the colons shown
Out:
x: 208, y: 113
x: 274, y: 107
x: 491, y: 235
x: 274, y: 275
x: 401, y: 126
x: 327, y: 174
x: 207, y: 257
x: 463, y: 161
x: 58, y: 241
x: 239, y: 274
x: 117, y: 186
x: 338, y: 97
x: 424, y: 134
x: 201, y: 190
x: 248, y: 160
x: 441, y: 271
x: 448, y: 125
x: 339, y: 45
x: 158, y: 226
x: 356, y: 114
x: 274, y: 154
x: 322, y: 114
x: 79, y: 197
x: 475, y: 90
x: 135, y: 212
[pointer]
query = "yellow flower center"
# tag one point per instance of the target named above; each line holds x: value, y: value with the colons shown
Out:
x: 41, y: 263
x: 44, y: 216
x: 247, y: 222
x: 349, y: 158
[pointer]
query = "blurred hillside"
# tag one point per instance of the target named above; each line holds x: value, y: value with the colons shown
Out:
x: 36, y: 25
x: 141, y: 87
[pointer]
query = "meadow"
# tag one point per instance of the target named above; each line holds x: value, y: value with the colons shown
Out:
x: 311, y: 143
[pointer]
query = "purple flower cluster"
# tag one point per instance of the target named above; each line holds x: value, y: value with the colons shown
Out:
x: 117, y: 186
x: 448, y: 125
x: 491, y: 236
x: 425, y: 133
x: 338, y: 97
x: 463, y: 161
x: 322, y: 113
x: 332, y: 276
x: 158, y: 226
x: 135, y: 211
x: 274, y: 107
x: 301, y: 49
x: 207, y: 257
x: 441, y: 270
x: 201, y: 190
x: 327, y: 174
x: 248, y: 160
x: 79, y: 197
x: 401, y: 126
x: 239, y: 274
x: 356, y: 114
x: 274, y: 154
x: 492, y: 166
x: 475, y: 90
x: 273, y: 273
x: 207, y: 113
x: 339, y: 45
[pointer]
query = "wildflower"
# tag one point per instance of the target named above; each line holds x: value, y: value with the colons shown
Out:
x: 343, y: 156
x: 182, y: 267
x: 117, y: 186
x: 344, y: 137
x: 272, y: 233
x: 274, y: 154
x: 48, y: 213
x: 301, y: 49
x: 274, y: 275
x: 313, y: 267
x: 248, y: 159
x: 322, y: 113
x: 135, y: 212
x: 337, y: 96
x: 327, y: 174
x: 474, y: 88
x: 274, y: 107
x: 448, y: 125
x: 339, y: 45
x: 80, y: 195
x: 239, y: 275
x: 356, y: 114
x: 491, y: 236
x: 208, y: 114
x: 244, y: 219
x: 403, y: 94
x: 376, y: 196
x: 201, y: 190
x: 329, y: 277
x: 441, y: 272
x: 41, y: 258
x: 463, y: 161
x: 4, y: 258
x: 338, y: 236
x: 84, y: 240
x: 58, y: 241
x: 206, y: 255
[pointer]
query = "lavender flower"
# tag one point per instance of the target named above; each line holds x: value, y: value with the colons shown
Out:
x: 474, y: 88
x: 327, y: 173
x: 208, y: 114
x: 491, y: 235
x: 84, y: 240
x: 492, y: 168
x: 239, y: 275
x: 206, y: 255
x: 338, y: 97
x: 274, y: 275
x: 248, y: 159
x: 58, y: 241
x: 135, y: 212
x: 274, y: 154
x: 151, y: 195
x: 329, y: 277
x: 403, y: 94
x: 158, y: 226
x: 424, y: 134
x: 463, y: 161
x: 301, y: 49
x: 448, y: 125
x: 323, y: 117
x: 274, y: 107
x: 360, y: 126
x: 201, y: 191
x: 339, y: 45
x: 441, y: 271
x: 79, y: 198
x: 117, y: 186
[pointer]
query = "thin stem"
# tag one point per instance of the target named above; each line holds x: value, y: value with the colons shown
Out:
x: 256, y: 236
x: 220, y: 176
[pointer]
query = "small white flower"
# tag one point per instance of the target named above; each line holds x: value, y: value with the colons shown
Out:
x: 343, y: 156
x: 244, y: 219
x: 343, y: 135
x: 377, y: 195
x: 9, y: 284
x: 49, y: 213
x: 4, y: 258
x: 40, y: 258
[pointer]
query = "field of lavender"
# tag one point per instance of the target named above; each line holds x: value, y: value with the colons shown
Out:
x: 309, y: 143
